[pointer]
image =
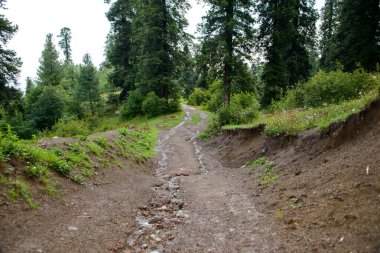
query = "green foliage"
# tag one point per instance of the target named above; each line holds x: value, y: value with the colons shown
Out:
x: 357, y: 36
x: 88, y: 88
x: 227, y: 41
x: 37, y: 170
x: 95, y: 148
x: 195, y: 119
x: 132, y: 106
x: 329, y: 88
x: 70, y: 127
x: 65, y: 43
x: 153, y: 105
x: 45, y: 107
x: 199, y: 97
x: 137, y: 144
x: 21, y: 190
x: 267, y: 176
x: 10, y: 64
x: 287, y: 32
x: 50, y: 71
x: 292, y: 122
x: 256, y: 163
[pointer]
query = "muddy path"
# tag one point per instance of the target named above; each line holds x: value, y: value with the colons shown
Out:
x: 198, y: 205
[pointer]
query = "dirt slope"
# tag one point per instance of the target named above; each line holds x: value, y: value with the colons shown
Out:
x: 329, y: 186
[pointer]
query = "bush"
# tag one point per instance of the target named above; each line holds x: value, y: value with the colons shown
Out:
x: 329, y: 88
x: 67, y: 127
x: 216, y: 99
x: 229, y: 115
x: 199, y: 97
x: 132, y: 106
x: 153, y: 105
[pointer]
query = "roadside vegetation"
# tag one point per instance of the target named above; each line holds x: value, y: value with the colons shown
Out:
x: 326, y: 98
x: 29, y: 162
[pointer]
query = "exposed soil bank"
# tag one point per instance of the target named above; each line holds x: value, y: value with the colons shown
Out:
x: 327, y: 197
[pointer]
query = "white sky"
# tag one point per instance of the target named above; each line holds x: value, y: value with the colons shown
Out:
x: 85, y: 18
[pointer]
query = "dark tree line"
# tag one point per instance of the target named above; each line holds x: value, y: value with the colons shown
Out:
x: 152, y: 61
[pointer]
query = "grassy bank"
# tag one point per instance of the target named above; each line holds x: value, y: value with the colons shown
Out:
x: 40, y: 163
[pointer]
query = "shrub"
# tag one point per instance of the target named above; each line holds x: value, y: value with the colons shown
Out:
x: 329, y: 88
x: 67, y: 128
x: 229, y: 114
x: 153, y: 105
x: 216, y: 96
x: 199, y: 97
x: 132, y: 106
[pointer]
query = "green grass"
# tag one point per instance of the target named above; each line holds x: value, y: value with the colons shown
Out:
x: 195, y: 119
x: 292, y: 122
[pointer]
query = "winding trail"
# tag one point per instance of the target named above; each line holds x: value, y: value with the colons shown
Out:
x: 198, y: 205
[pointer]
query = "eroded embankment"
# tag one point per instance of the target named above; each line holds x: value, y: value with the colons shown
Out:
x: 327, y: 195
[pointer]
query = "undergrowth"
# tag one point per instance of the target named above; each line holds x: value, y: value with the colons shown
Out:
x: 294, y: 121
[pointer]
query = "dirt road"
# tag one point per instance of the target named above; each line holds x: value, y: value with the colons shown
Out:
x: 199, y: 205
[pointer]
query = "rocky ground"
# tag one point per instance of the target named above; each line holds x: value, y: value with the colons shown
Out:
x: 199, y: 197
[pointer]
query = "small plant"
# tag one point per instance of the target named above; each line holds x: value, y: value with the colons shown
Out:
x: 101, y: 141
x: 267, y: 176
x: 37, y: 170
x: 21, y: 190
x: 256, y: 163
x: 94, y: 148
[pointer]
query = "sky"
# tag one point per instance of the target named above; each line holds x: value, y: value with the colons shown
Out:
x: 85, y: 18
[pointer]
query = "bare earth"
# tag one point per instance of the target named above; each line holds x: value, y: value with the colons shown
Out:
x: 197, y: 197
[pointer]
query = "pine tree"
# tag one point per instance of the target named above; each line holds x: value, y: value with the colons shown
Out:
x: 228, y: 35
x: 358, y: 34
x: 119, y: 46
x: 160, y: 34
x: 65, y: 43
x: 187, y: 78
x: 29, y: 86
x: 88, y: 88
x: 328, y: 32
x: 9, y: 63
x: 49, y: 71
x: 287, y: 33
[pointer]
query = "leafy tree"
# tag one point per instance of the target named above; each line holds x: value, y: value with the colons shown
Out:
x: 88, y: 88
x: 358, y: 34
x: 287, y: 34
x: 228, y: 35
x: 49, y: 71
x: 328, y: 32
x: 9, y: 63
x: 65, y: 43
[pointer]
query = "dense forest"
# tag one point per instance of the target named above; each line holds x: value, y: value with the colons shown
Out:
x: 251, y: 56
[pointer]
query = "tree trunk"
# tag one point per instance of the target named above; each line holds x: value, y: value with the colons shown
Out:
x: 229, y: 52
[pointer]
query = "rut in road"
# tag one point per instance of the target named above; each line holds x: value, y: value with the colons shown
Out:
x: 199, y: 205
